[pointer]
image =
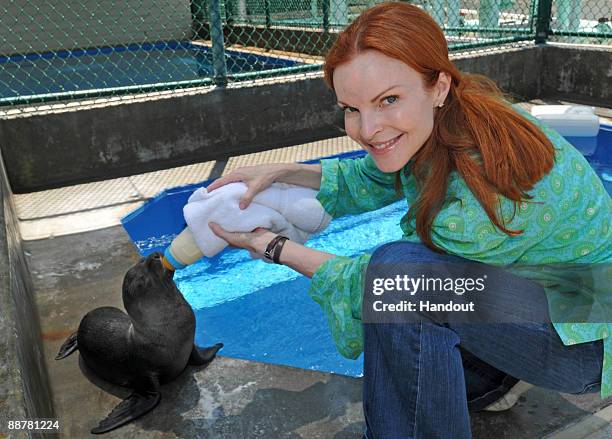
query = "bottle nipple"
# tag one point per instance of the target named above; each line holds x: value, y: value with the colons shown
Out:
x: 183, y: 251
x: 167, y: 264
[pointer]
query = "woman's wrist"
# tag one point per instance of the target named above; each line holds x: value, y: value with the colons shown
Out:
x: 300, y: 174
x: 302, y: 259
x: 275, y: 248
x: 284, y: 171
x: 260, y: 242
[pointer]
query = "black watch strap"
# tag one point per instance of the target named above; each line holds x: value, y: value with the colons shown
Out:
x: 274, y: 248
x: 278, y: 248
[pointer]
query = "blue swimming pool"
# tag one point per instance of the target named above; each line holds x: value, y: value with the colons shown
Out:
x: 99, y: 68
x: 263, y: 312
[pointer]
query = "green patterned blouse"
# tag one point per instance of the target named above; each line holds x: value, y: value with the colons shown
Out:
x: 566, y: 222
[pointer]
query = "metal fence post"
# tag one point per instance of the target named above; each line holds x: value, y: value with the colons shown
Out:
x: 267, y: 12
x: 229, y: 11
x: 325, y: 6
x: 543, y: 21
x: 218, y: 45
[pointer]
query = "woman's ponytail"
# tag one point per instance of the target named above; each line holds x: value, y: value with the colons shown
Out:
x: 490, y: 145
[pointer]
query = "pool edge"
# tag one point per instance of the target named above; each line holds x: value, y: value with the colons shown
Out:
x: 24, y: 382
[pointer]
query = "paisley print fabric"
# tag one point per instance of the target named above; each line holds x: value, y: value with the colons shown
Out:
x: 565, y: 224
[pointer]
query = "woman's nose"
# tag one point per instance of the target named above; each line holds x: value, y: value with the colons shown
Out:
x: 370, y: 126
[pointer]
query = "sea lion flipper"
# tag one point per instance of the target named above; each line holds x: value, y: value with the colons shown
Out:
x: 200, y: 357
x: 136, y: 405
x: 68, y: 347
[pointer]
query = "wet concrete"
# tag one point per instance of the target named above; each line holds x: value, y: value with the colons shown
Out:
x: 231, y: 398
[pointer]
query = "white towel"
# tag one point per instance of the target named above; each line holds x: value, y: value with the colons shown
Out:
x: 292, y: 211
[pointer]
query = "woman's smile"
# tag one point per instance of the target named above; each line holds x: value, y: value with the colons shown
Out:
x: 381, y: 148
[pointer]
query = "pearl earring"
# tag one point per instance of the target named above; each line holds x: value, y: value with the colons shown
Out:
x: 441, y: 104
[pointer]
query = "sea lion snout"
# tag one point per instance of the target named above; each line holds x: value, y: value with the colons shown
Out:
x: 146, y: 274
x: 155, y: 264
x: 152, y: 259
x: 152, y: 264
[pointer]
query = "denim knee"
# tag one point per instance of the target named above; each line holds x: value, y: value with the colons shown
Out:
x: 407, y: 251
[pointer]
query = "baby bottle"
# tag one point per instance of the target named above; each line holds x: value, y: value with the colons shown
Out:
x: 182, y: 251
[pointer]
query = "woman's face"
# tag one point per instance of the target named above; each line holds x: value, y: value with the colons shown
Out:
x: 387, y: 108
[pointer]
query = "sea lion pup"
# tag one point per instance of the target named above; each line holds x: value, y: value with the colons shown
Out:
x: 151, y: 344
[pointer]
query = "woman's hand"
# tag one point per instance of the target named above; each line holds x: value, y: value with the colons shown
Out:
x: 257, y: 178
x: 302, y: 259
x: 260, y: 177
x: 255, y: 241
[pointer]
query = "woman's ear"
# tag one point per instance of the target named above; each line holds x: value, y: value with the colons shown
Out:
x: 442, y: 88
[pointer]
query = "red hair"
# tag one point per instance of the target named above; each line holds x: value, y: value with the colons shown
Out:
x: 476, y: 133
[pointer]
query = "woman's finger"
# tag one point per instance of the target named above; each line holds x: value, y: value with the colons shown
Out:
x: 235, y: 239
x: 218, y: 230
x: 222, y: 181
x: 248, y: 196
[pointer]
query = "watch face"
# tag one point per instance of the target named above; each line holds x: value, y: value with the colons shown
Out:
x: 270, y: 247
x: 275, y: 246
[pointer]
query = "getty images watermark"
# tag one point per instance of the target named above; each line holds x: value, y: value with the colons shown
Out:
x: 411, y: 286
x: 450, y: 293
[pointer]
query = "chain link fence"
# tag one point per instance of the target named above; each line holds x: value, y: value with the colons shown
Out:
x: 54, y: 50
x: 582, y: 21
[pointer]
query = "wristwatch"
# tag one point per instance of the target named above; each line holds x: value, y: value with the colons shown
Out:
x: 274, y: 248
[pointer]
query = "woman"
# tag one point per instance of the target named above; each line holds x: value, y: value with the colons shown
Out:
x: 484, y: 183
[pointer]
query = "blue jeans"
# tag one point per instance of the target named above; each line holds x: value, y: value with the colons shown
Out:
x: 421, y: 378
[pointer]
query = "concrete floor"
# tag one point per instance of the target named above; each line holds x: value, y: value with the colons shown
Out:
x: 73, y: 273
x: 231, y: 398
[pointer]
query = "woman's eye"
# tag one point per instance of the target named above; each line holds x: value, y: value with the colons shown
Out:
x: 349, y: 109
x: 390, y: 99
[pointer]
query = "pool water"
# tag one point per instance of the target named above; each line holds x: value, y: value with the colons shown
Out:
x: 262, y: 311
x: 120, y: 66
x: 599, y: 155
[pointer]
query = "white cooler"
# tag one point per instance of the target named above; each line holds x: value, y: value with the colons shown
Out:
x: 578, y: 123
